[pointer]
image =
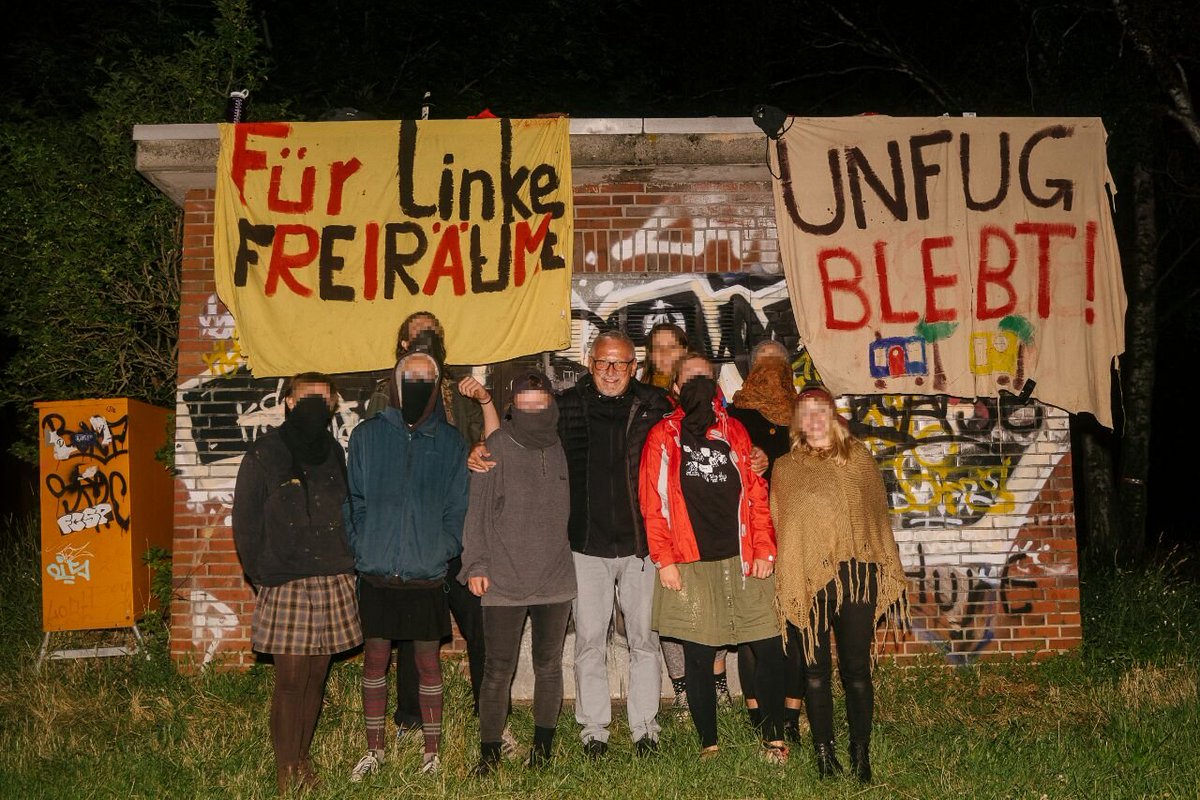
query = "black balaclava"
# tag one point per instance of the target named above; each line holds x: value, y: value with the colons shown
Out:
x: 533, y: 429
x: 414, y: 398
x: 305, y: 430
x: 696, y: 399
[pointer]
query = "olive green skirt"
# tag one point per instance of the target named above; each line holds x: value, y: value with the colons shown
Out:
x: 716, y: 605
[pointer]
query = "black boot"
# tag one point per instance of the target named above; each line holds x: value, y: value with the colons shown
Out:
x: 756, y: 719
x: 791, y: 725
x: 827, y: 763
x: 489, y: 759
x: 543, y: 747
x: 860, y: 761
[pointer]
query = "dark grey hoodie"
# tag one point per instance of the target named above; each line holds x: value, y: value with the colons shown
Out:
x: 516, y: 528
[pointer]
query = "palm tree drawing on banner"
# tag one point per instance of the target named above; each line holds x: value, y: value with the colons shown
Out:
x: 1019, y: 327
x: 934, y: 332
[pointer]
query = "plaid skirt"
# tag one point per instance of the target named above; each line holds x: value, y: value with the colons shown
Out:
x: 307, y: 617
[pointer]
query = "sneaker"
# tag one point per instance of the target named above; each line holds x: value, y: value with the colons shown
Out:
x: 431, y: 764
x: 509, y: 746
x: 485, y: 768
x: 595, y: 749
x: 365, y: 766
x: 645, y: 747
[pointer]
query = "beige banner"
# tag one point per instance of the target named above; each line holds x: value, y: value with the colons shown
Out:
x: 959, y: 256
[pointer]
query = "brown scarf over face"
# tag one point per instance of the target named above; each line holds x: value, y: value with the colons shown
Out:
x: 769, y: 390
x: 826, y: 514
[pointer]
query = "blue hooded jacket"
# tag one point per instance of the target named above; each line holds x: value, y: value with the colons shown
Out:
x: 407, y: 495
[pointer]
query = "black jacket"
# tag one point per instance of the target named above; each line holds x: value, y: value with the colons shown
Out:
x: 280, y: 534
x: 650, y: 405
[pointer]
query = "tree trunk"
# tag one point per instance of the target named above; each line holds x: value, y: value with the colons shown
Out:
x: 1138, y: 362
x: 1096, y: 492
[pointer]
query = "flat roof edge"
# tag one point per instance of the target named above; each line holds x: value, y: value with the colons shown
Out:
x: 580, y: 126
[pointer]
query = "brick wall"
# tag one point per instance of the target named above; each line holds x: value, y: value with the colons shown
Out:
x: 981, y: 491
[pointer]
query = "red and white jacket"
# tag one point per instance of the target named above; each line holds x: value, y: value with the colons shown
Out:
x: 669, y: 531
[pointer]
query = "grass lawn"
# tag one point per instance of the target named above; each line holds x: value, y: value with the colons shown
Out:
x: 1121, y: 719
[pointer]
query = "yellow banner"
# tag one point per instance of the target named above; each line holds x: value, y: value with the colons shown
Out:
x: 328, y: 234
x: 959, y: 256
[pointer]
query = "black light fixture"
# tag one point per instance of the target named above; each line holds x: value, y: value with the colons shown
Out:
x: 770, y: 119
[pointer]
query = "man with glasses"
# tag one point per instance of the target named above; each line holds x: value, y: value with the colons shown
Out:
x: 603, y: 422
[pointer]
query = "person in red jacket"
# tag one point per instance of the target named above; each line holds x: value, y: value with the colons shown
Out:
x: 709, y: 531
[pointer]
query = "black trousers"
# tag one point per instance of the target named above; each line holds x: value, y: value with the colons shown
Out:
x: 768, y: 687
x: 853, y: 628
x: 503, y: 627
x: 468, y: 614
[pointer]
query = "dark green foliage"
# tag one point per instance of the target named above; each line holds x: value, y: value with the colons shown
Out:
x: 91, y: 250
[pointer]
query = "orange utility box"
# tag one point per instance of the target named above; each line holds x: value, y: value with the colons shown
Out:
x: 104, y: 501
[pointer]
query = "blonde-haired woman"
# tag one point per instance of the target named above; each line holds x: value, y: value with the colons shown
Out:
x: 838, y: 569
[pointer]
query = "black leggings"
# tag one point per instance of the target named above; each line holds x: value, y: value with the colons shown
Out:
x: 853, y: 625
x: 768, y: 688
x: 503, y: 627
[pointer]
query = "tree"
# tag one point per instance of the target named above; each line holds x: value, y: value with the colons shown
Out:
x: 934, y: 332
x: 1019, y: 327
x: 91, y: 250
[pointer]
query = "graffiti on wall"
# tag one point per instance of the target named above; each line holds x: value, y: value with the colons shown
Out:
x: 949, y: 465
x: 93, y: 492
x: 211, y: 620
x: 687, y: 232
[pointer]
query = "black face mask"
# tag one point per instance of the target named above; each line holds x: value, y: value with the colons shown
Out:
x: 414, y: 399
x: 305, y: 429
x: 696, y: 399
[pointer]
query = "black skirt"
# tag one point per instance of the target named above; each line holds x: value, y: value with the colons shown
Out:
x: 417, y: 613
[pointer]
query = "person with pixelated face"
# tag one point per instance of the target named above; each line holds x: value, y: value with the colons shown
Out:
x: 665, y: 344
x: 468, y: 406
x: 838, y: 570
x: 291, y: 539
x: 517, y: 560
x: 710, y: 537
x: 407, y: 498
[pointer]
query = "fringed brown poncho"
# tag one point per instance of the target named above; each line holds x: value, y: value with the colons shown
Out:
x: 824, y: 514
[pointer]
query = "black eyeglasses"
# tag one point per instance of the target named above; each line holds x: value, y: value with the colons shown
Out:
x: 616, y: 366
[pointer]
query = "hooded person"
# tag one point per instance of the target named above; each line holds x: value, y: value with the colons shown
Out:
x: 467, y: 406
x: 407, y: 480
x: 517, y: 559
